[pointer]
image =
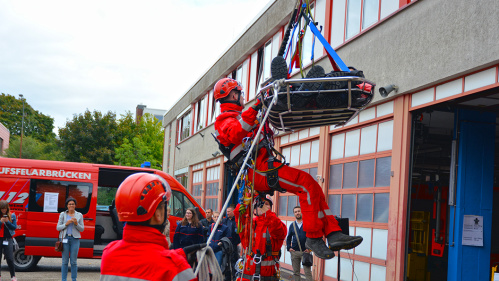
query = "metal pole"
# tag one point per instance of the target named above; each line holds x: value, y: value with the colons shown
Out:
x: 22, y: 130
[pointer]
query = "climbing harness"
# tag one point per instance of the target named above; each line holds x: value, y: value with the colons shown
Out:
x: 338, y: 97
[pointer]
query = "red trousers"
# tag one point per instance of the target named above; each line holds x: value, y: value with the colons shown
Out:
x: 318, y: 220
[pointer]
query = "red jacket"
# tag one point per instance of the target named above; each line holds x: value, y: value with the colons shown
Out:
x: 143, y: 254
x: 261, y: 224
x: 232, y: 126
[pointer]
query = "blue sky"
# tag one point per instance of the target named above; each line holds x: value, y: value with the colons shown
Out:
x: 69, y: 56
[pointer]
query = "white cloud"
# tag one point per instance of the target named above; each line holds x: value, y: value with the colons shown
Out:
x: 67, y: 56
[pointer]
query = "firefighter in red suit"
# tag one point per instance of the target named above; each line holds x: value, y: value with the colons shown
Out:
x: 143, y: 254
x: 269, y: 233
x: 233, y: 126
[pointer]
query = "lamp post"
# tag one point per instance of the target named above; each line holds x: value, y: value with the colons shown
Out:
x: 22, y: 130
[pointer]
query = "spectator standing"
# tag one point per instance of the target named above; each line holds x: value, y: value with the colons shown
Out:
x: 189, y: 231
x: 207, y: 222
x: 295, y: 244
x: 221, y: 232
x: 230, y: 222
x: 8, y: 225
x: 70, y: 224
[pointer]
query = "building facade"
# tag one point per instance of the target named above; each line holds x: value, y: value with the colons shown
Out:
x: 415, y: 172
x: 141, y: 109
x: 4, y: 139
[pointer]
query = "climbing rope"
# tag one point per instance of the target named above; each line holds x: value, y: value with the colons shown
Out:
x: 246, y: 158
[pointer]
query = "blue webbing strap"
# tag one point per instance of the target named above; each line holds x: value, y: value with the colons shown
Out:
x: 329, y: 49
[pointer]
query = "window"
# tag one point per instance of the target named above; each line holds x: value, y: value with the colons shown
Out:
x: 267, y: 59
x: 197, y: 185
x: 179, y: 203
x: 201, y: 112
x: 183, y: 179
x: 239, y: 74
x: 80, y: 191
x: 212, y: 187
x: 286, y: 204
x: 350, y: 17
x: 303, y: 156
x: 353, y: 18
x: 215, y: 108
x: 105, y: 196
x: 359, y: 187
x: 253, y: 76
x: 309, y: 49
x: 184, y: 126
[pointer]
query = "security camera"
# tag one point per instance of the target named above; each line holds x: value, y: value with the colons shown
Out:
x: 385, y: 91
x: 215, y: 154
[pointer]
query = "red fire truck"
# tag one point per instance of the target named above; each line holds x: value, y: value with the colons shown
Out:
x: 34, y: 187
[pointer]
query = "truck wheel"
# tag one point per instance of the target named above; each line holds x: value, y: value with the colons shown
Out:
x: 23, y: 262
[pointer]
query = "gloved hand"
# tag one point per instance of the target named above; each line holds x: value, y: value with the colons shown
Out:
x: 193, y: 248
x: 258, y: 105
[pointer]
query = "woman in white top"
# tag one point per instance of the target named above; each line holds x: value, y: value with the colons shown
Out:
x: 70, y: 225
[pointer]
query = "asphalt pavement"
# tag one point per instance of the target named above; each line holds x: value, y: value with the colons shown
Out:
x: 50, y: 269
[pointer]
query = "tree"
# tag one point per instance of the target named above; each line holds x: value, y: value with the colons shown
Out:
x: 145, y: 145
x: 89, y: 137
x: 34, y: 149
x: 36, y: 124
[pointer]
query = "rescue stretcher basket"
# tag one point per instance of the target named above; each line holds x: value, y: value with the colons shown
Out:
x: 337, y: 101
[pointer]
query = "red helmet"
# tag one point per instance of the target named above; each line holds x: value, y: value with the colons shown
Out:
x: 269, y: 198
x: 259, y: 200
x: 224, y: 86
x: 139, y: 195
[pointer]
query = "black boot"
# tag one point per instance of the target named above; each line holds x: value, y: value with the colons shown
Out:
x: 339, y: 241
x: 318, y: 246
x: 315, y: 72
x: 279, y: 68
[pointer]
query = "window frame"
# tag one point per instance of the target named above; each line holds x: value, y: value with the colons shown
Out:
x: 212, y: 181
x: 33, y: 206
x: 180, y: 124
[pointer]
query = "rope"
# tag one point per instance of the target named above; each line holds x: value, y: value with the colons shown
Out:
x: 274, y: 101
x: 208, y: 267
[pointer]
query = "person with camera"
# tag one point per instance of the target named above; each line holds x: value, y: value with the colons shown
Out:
x: 8, y: 226
x: 295, y: 244
x: 143, y: 254
x: 70, y: 225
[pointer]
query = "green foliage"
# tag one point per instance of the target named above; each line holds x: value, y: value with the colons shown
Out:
x: 33, y: 148
x: 106, y: 195
x: 142, y: 142
x: 89, y: 137
x: 36, y: 124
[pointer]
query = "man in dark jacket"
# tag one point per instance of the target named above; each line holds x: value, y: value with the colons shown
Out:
x: 230, y: 222
x: 207, y: 222
x: 216, y: 241
x: 294, y: 248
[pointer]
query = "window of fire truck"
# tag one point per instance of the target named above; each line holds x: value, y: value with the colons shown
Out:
x: 82, y: 192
